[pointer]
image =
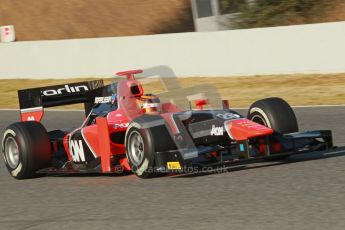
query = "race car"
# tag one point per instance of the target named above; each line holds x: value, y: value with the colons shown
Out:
x: 126, y: 130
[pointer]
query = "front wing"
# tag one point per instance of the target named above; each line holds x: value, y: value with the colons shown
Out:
x: 244, y: 152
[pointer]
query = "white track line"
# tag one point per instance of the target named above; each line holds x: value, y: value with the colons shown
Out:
x: 301, y: 106
x: 80, y: 110
x: 312, y: 106
x: 57, y: 110
x: 335, y: 152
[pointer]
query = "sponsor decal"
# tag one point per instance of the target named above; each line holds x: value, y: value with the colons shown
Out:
x: 65, y: 90
x: 121, y: 125
x: 77, y: 151
x: 217, y: 131
x: 31, y: 118
x: 100, y: 100
x: 111, y: 99
x: 150, y: 105
x: 174, y: 165
x: 228, y: 116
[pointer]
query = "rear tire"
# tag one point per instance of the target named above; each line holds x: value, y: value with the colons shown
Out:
x: 274, y: 113
x: 145, y: 136
x: 26, y: 149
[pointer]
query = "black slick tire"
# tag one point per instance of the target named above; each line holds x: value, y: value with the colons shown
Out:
x: 275, y: 113
x: 26, y: 149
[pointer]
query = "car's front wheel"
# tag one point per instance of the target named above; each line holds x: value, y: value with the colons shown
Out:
x: 274, y: 113
x: 145, y: 136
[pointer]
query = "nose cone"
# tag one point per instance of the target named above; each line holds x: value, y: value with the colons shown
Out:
x: 243, y: 129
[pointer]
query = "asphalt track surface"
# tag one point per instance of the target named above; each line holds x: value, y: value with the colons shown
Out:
x: 304, y: 192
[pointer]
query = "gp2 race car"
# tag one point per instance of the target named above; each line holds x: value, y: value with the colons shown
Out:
x: 126, y: 130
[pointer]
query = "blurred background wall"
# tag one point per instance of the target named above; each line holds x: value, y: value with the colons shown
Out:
x: 110, y: 24
x: 314, y: 48
x: 66, y: 19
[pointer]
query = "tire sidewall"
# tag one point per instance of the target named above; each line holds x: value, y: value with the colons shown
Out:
x: 19, y: 171
x: 146, y: 166
x: 258, y: 112
x: 34, y: 148
x: 276, y: 113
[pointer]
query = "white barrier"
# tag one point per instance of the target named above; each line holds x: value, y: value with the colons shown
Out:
x: 316, y: 48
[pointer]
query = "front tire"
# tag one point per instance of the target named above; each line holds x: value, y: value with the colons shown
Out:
x: 145, y: 136
x: 274, y: 113
x: 26, y: 149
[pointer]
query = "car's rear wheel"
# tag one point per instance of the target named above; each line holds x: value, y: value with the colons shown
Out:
x: 26, y: 149
x: 274, y: 113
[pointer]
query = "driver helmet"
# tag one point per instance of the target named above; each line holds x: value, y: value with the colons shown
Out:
x: 150, y: 103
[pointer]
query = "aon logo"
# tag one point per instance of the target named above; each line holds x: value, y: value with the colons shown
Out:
x: 77, y: 151
x: 217, y: 131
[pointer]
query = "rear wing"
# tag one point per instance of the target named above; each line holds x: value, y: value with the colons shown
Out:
x: 33, y: 101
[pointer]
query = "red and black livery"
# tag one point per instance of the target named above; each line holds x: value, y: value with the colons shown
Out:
x: 117, y: 135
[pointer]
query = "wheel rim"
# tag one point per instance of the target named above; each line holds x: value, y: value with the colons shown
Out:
x: 12, y: 152
x: 136, y: 148
x: 258, y: 119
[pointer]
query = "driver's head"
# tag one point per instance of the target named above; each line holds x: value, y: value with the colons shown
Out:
x: 150, y: 103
